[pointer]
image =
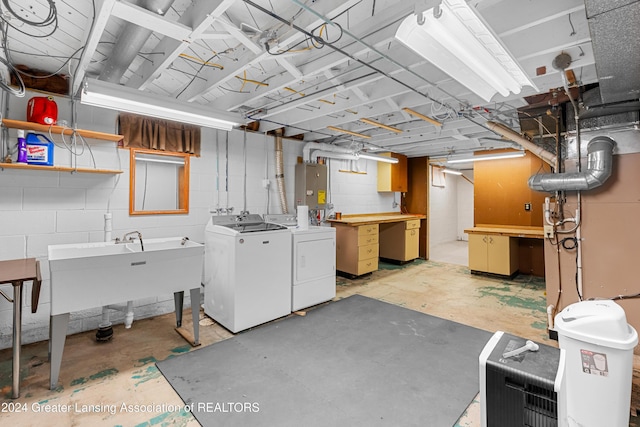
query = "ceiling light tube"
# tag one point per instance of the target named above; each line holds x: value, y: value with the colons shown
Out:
x: 378, y: 158
x: 422, y: 116
x: 159, y: 159
x: 498, y: 156
x: 459, y: 42
x: 359, y: 135
x: 121, y: 98
x: 451, y: 171
x: 380, y: 125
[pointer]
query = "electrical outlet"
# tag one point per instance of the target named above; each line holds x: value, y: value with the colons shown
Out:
x: 548, y: 231
x: 527, y: 206
x: 266, y: 183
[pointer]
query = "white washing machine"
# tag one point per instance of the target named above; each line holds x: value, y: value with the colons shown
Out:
x: 247, y: 271
x: 313, y: 273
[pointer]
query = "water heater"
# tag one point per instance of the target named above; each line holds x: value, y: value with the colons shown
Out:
x: 311, y: 185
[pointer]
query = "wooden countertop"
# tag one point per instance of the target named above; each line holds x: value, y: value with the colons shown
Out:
x: 379, y: 218
x: 508, y: 230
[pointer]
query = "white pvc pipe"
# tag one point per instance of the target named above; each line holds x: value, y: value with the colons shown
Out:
x: 106, y: 322
x: 128, y: 318
x: 107, y: 227
x: 579, y: 261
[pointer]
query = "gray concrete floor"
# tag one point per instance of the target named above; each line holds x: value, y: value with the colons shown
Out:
x: 117, y: 383
x: 454, y: 252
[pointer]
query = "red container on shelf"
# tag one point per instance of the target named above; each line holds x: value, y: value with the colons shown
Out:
x: 43, y: 110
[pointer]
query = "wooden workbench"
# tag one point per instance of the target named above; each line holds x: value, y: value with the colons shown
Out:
x: 508, y: 230
x: 362, y: 239
x: 495, y: 248
x: 376, y: 218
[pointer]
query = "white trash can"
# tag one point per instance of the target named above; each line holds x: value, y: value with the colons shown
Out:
x: 599, y: 363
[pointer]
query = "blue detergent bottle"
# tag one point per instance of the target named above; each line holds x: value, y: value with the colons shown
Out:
x: 39, y: 149
x: 22, y: 147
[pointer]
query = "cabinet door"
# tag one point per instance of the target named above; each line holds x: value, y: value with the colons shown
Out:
x: 412, y: 244
x: 478, y: 252
x: 499, y: 260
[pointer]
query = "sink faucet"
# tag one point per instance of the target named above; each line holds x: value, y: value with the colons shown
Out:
x: 128, y: 238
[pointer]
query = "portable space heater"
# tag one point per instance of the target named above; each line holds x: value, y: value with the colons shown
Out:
x: 524, y: 390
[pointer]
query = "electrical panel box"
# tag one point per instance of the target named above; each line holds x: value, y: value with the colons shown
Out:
x: 311, y: 185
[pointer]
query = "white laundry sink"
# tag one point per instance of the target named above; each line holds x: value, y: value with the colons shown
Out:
x: 89, y: 275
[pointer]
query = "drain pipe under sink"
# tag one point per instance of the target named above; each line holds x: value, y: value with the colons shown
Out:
x: 105, y: 329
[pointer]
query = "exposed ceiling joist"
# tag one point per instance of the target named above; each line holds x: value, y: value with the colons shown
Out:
x: 93, y: 35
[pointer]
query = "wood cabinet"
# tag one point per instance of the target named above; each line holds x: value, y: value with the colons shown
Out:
x: 356, y: 248
x: 399, y: 241
x: 489, y: 253
x: 393, y: 177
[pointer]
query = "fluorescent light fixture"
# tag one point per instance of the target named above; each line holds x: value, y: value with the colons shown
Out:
x: 422, y: 116
x: 359, y: 135
x: 378, y: 158
x: 454, y: 38
x: 381, y: 125
x: 497, y: 156
x: 122, y: 98
x: 451, y: 171
x: 159, y: 159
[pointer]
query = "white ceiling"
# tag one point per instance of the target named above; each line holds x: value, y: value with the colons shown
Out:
x: 198, y: 52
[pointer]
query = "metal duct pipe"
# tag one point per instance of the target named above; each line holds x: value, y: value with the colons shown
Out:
x: 514, y: 136
x: 331, y: 155
x: 306, y: 150
x: 599, y: 167
x: 130, y: 42
x: 280, y: 172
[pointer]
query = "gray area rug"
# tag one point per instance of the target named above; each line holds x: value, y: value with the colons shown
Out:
x: 353, y: 362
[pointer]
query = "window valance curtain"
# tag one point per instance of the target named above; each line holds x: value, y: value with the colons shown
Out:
x: 158, y: 134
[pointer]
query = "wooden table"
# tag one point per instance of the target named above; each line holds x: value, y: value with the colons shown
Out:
x: 17, y: 272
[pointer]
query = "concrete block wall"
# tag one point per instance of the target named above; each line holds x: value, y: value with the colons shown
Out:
x: 41, y: 208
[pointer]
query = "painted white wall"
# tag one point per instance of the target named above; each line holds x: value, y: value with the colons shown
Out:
x: 450, y: 209
x: 443, y: 210
x: 465, y: 204
x: 356, y: 193
x: 40, y: 208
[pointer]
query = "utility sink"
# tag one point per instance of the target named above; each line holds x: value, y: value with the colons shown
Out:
x: 86, y: 275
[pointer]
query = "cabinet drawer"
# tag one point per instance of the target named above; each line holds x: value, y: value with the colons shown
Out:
x: 412, y: 224
x: 368, y: 239
x: 368, y: 230
x: 368, y: 252
x: 367, y: 266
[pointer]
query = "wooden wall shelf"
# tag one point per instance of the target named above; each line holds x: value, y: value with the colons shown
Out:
x: 59, y: 130
x: 57, y: 168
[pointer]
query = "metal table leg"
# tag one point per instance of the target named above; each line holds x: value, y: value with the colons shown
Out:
x: 17, y: 335
x: 195, y: 314
x: 58, y: 336
x: 178, y: 300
